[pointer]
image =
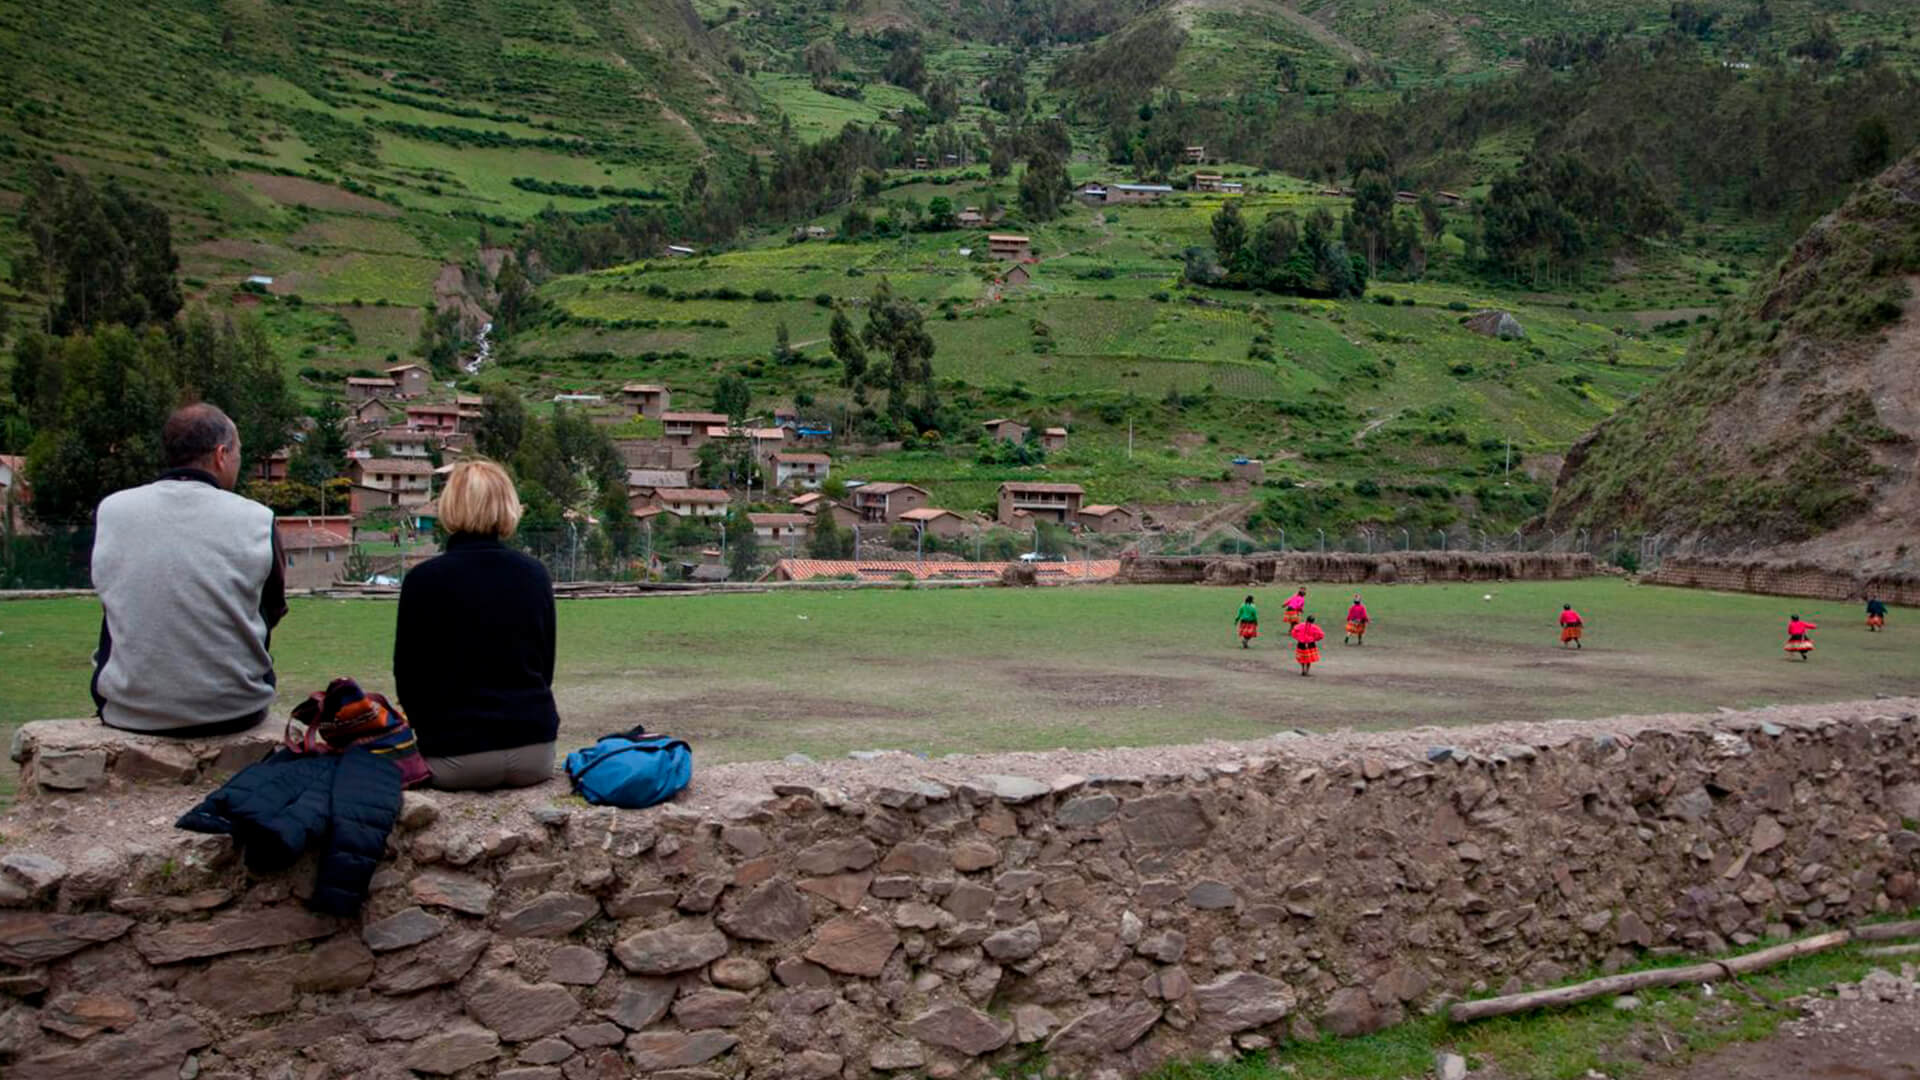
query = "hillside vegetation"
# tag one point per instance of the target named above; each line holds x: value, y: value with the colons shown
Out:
x: 1795, y: 415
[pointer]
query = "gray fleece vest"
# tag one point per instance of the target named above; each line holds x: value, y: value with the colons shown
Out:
x: 180, y: 566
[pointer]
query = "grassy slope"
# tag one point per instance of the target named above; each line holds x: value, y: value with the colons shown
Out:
x: 1120, y: 344
x: 1689, y: 457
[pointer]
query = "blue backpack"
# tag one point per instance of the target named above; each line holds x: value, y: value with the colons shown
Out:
x: 631, y: 769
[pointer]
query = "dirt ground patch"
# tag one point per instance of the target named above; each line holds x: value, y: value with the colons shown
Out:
x: 299, y: 191
x: 1087, y: 689
x: 1843, y: 1040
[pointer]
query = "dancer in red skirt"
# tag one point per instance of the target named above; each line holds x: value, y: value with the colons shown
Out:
x: 1306, y: 645
x: 1248, y: 620
x: 1357, y: 620
x: 1296, y: 608
x: 1800, y: 636
x: 1876, y: 614
x: 1570, y: 626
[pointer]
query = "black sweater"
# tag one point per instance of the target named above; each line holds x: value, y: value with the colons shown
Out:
x: 473, y: 650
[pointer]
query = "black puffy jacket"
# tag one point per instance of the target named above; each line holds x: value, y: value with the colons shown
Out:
x: 276, y: 809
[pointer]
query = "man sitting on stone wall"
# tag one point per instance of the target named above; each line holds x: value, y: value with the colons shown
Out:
x: 191, y: 581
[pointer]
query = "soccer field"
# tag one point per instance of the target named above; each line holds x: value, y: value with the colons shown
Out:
x: 766, y: 674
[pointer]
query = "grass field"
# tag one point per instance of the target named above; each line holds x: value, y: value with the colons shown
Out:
x: 763, y: 675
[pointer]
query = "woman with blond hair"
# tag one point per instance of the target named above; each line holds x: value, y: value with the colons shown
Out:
x: 473, y: 651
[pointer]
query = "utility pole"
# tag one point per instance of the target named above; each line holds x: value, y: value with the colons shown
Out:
x: 1507, y: 480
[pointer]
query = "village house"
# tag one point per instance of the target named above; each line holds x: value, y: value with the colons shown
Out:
x: 813, y: 503
x: 1247, y: 470
x: 272, y: 469
x: 781, y: 528
x: 646, y: 399
x: 1015, y: 276
x: 382, y: 482
x: 1005, y: 430
x: 1053, y: 438
x: 644, y: 516
x: 886, y: 502
x: 1102, y: 518
x: 405, y: 442
x: 690, y: 429
x: 1010, y: 247
x: 1448, y: 198
x: 768, y: 443
x: 360, y: 388
x: 1092, y: 192
x: 1196, y: 154
x: 647, y: 479
x: 1206, y: 181
x: 316, y: 549
x: 791, y: 468
x: 679, y: 251
x: 692, y: 502
x: 373, y: 412
x: 971, y: 218
x: 934, y: 521
x: 1137, y: 193
x: 410, y: 380
x: 442, y: 418
x: 1053, y: 502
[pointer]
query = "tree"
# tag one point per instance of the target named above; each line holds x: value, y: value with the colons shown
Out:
x: 96, y: 256
x: 1872, y: 146
x: 1044, y: 187
x: 895, y: 330
x: 1000, y: 162
x: 940, y: 214
x: 942, y: 96
x: 517, y: 303
x: 822, y: 60
x: 732, y: 396
x: 230, y: 363
x: 1370, y: 217
x: 324, y: 453
x: 829, y: 540
x: 743, y: 544
x: 846, y: 348
x: 116, y: 392
x: 1229, y: 233
x: 443, y: 337
x: 782, y: 344
x: 501, y: 425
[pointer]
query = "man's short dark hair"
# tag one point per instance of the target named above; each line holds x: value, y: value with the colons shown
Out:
x: 194, y: 432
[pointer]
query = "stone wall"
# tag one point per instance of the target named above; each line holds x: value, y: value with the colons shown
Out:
x: 938, y: 926
x: 1404, y: 567
x: 1786, y: 579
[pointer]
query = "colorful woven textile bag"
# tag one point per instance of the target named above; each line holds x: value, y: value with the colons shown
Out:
x: 344, y: 716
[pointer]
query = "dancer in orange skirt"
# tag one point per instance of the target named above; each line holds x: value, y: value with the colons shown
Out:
x: 1248, y: 620
x: 1357, y: 620
x: 1876, y: 614
x: 1800, y: 636
x: 1296, y: 608
x: 1570, y: 626
x: 1306, y: 645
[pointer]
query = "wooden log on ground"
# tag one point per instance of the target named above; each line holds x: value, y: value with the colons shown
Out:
x: 1891, y: 950
x: 1887, y: 931
x: 1712, y: 971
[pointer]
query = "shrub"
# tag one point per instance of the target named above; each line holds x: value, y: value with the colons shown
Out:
x: 1385, y: 299
x: 766, y: 296
x: 823, y: 299
x: 1457, y: 305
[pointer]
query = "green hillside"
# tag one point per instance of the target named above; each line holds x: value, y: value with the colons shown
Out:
x: 1624, y: 169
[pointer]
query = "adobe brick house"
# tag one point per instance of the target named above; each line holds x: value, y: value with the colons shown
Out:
x: 410, y: 380
x: 886, y: 502
x: 692, y: 502
x: 690, y: 429
x: 1101, y: 518
x: 379, y: 482
x: 1050, y: 502
x: 646, y: 399
x: 1010, y: 247
x: 936, y: 522
x: 1053, y: 438
x: 316, y: 549
x: 360, y: 388
x: 781, y: 528
x: 813, y: 503
x: 444, y: 418
x: 1012, y: 431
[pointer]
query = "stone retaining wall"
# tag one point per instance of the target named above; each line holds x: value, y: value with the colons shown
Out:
x: 940, y: 928
x: 1404, y: 567
x: 1786, y: 579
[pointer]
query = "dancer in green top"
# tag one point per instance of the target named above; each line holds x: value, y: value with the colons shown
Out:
x: 1249, y: 622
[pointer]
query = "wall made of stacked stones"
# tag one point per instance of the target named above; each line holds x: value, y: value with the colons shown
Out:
x: 1786, y: 579
x: 938, y: 930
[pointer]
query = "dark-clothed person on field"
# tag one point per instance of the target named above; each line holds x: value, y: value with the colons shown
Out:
x: 191, y: 582
x: 473, y: 651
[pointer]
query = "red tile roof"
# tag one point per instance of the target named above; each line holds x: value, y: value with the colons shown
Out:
x: 691, y: 495
x: 1052, y: 489
x: 803, y: 459
x: 925, y: 513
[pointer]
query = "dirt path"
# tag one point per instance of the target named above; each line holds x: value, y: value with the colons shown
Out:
x: 1373, y: 426
x: 1839, y: 1040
